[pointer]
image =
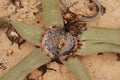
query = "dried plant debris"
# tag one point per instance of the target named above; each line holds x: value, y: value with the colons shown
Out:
x: 17, y: 3
x: 2, y: 66
x: 100, y: 53
x: 72, y: 23
x: 44, y: 69
x: 118, y: 56
x: 12, y: 35
x: 38, y: 73
x: 34, y: 75
x: 90, y: 12
x: 103, y: 10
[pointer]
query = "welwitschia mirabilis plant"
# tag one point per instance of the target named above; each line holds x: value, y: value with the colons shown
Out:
x: 94, y: 40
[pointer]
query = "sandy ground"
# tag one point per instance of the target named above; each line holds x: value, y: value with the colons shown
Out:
x: 102, y: 67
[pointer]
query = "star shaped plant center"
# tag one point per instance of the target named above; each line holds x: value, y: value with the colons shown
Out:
x: 94, y: 40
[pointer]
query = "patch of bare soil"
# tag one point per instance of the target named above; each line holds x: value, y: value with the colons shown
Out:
x: 102, y: 67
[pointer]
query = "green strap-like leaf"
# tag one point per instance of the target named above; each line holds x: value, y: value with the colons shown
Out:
x: 77, y: 68
x: 92, y: 47
x: 29, y: 32
x: 97, y: 40
x: 29, y: 63
x: 51, y: 13
x: 101, y: 35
